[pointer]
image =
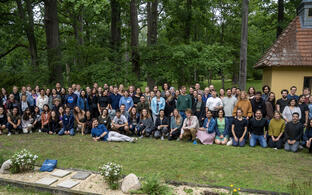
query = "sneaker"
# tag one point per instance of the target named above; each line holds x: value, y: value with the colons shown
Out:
x: 39, y: 130
x: 300, y: 147
x: 9, y: 134
x: 194, y: 142
x: 178, y: 139
x: 275, y: 149
x: 141, y: 136
x: 30, y: 131
x: 230, y: 142
x: 162, y: 138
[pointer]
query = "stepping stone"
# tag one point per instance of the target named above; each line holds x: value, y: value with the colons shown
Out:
x: 60, y: 173
x: 68, y: 183
x: 81, y: 175
x: 47, y: 181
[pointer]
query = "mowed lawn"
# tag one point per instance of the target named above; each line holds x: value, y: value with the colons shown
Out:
x: 256, y: 168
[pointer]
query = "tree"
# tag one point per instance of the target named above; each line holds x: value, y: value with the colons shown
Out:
x: 152, y: 31
x: 134, y: 42
x: 244, y: 44
x: 53, y: 41
x: 28, y: 27
x: 115, y: 24
x: 280, y: 17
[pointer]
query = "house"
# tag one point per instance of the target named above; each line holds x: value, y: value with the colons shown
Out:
x: 289, y: 61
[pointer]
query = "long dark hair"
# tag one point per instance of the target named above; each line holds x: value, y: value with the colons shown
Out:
x: 26, y: 115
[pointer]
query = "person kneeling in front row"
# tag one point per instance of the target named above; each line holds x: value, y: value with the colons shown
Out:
x: 293, y: 133
x: 190, y: 127
x: 68, y: 123
x: 101, y: 133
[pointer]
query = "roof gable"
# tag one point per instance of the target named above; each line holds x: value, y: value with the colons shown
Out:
x: 292, y: 48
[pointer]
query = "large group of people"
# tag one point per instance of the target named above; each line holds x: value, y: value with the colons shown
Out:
x: 114, y: 113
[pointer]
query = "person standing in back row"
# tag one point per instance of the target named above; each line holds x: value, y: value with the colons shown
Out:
x: 184, y: 102
x: 214, y: 104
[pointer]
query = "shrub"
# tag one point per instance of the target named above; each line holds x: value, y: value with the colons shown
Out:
x: 111, y: 173
x: 153, y: 186
x: 23, y: 161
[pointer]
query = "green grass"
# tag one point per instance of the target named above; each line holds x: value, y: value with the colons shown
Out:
x: 11, y: 190
x: 256, y: 168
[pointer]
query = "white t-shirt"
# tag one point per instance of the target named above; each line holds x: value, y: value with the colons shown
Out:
x: 213, y: 102
x: 40, y: 102
x: 121, y: 120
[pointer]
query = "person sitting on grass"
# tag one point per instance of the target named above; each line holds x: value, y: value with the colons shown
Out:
x: 307, y: 138
x: 80, y: 119
x: 120, y: 123
x: 239, y: 129
x: 105, y: 119
x: 45, y: 118
x: 276, y: 131
x: 133, y: 119
x: 88, y: 122
x: 14, y: 122
x: 27, y: 121
x: 258, y: 128
x: 101, y: 133
x: 222, y: 128
x: 293, y: 133
x: 3, y: 120
x: 68, y: 123
x: 162, y: 126
x: 54, y: 125
x: 146, y: 125
x: 207, y: 133
x: 190, y: 127
x: 175, y: 125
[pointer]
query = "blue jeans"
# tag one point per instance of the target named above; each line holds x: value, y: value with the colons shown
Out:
x: 292, y: 147
x: 71, y: 132
x: 230, y: 120
x: 254, y: 138
x: 238, y: 143
x: 182, y: 113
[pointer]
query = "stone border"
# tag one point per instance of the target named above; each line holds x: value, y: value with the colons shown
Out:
x: 42, y: 188
x: 175, y: 183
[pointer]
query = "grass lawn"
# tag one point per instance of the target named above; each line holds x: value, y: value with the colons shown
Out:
x: 256, y: 168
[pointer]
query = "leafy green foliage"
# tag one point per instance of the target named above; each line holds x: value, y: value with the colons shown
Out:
x: 153, y: 186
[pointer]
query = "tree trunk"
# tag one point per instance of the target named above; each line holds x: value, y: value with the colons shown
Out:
x: 244, y: 44
x: 188, y: 22
x: 134, y: 26
x: 152, y: 32
x: 115, y: 25
x: 280, y: 17
x: 28, y: 26
x: 53, y: 41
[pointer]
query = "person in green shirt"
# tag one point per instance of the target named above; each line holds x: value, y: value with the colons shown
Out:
x: 184, y: 102
x: 276, y: 130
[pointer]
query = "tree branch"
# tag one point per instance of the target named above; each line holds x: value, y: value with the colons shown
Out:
x: 12, y: 49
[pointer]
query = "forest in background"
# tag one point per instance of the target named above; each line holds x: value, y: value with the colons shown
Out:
x: 129, y: 41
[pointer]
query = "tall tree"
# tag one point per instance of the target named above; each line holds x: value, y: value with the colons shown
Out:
x: 28, y: 27
x: 53, y: 41
x: 152, y: 26
x: 115, y: 24
x: 188, y: 21
x: 244, y: 44
x: 134, y: 42
x: 280, y: 17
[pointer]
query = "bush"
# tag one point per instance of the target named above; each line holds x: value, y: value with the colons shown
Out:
x: 153, y: 186
x: 111, y: 173
x: 23, y: 161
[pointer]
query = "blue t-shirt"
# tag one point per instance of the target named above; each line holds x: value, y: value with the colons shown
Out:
x: 128, y: 102
x: 292, y: 97
x: 71, y: 100
x: 99, y: 130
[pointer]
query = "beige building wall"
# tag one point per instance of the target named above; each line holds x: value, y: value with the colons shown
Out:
x: 279, y: 78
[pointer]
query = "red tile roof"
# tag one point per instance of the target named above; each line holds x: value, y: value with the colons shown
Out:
x: 292, y: 48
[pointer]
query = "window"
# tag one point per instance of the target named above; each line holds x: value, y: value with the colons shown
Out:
x: 307, y: 82
x: 310, y: 12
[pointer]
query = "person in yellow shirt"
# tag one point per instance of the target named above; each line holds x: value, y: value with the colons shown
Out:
x: 276, y: 130
x: 244, y: 104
